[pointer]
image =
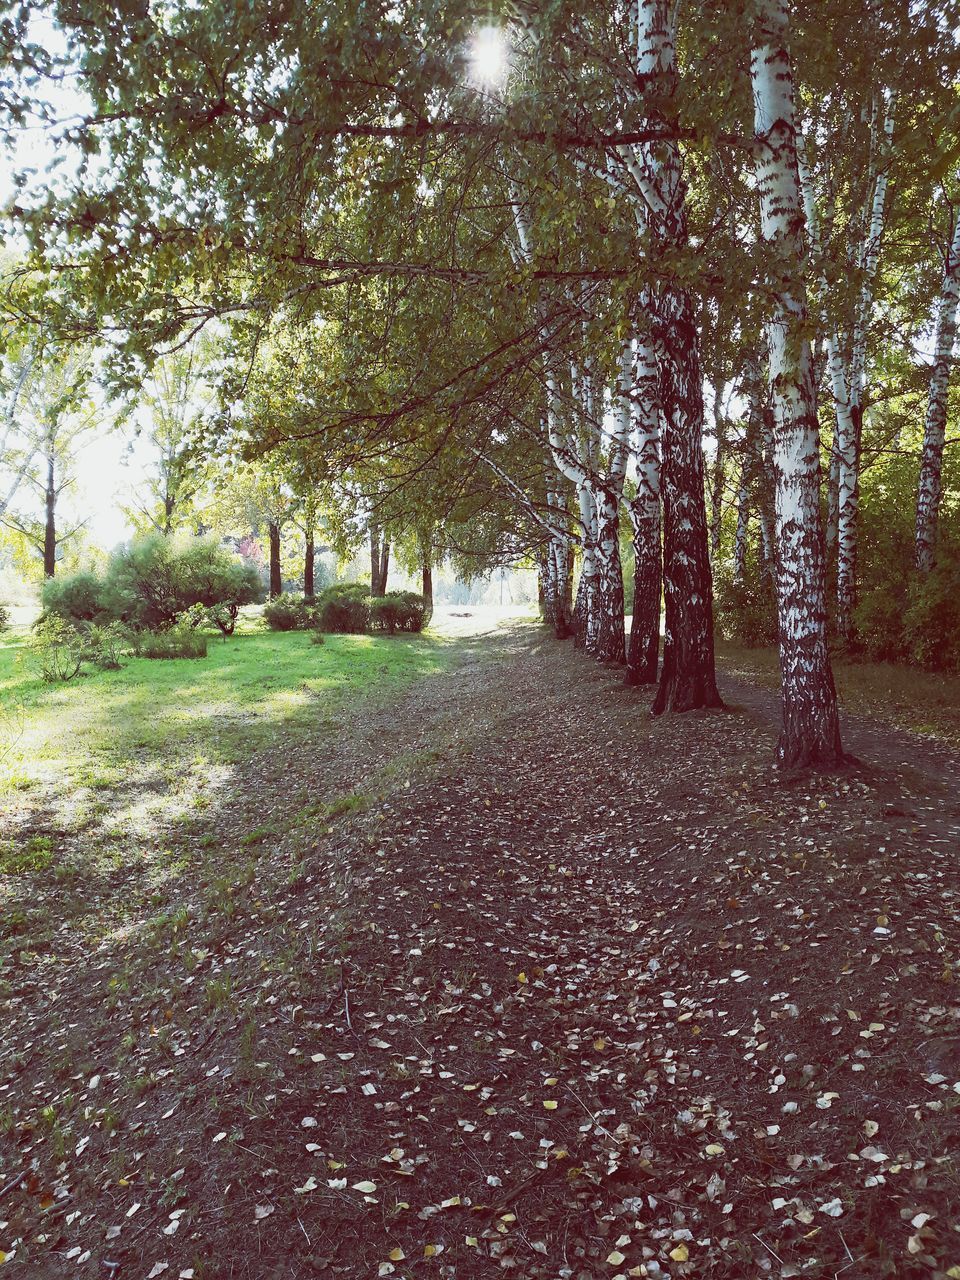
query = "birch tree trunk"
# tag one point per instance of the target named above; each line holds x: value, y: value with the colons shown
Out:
x: 644, y: 652
x: 687, y: 678
x: 934, y: 428
x: 811, y: 728
x: 847, y: 383
x: 717, y: 475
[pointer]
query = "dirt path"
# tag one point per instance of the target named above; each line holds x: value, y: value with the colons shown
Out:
x: 578, y: 993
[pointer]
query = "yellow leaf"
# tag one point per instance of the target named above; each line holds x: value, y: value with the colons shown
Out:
x: 599, y: 1044
x: 429, y: 1250
x: 396, y: 1255
x: 521, y: 976
x: 3, y: 1257
x: 680, y: 1253
x: 550, y: 1105
x: 616, y: 1258
x: 714, y: 1149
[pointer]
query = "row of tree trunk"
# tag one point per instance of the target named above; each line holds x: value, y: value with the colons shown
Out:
x: 661, y: 394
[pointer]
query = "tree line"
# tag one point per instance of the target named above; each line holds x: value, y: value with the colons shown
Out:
x: 675, y: 280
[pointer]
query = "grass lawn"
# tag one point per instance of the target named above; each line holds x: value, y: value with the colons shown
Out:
x: 116, y: 783
x: 249, y: 690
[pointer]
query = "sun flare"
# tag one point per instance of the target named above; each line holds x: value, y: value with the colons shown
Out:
x: 489, y: 59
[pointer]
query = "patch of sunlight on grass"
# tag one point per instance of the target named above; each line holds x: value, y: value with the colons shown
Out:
x: 117, y: 726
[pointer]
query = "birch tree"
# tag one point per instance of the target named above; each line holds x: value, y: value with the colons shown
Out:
x: 644, y: 510
x: 929, y: 490
x: 811, y: 729
x: 655, y: 170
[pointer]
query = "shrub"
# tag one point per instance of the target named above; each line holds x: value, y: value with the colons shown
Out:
x: 58, y: 648
x: 104, y: 645
x: 931, y: 623
x: 318, y: 637
x: 77, y: 597
x: 153, y: 581
x: 397, y: 611
x: 215, y: 579
x: 290, y: 613
x: 746, y: 612
x: 344, y: 608
x: 878, y: 624
x: 175, y: 642
x: 4, y: 617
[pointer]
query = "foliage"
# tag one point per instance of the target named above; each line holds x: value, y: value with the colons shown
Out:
x: 745, y: 612
x: 290, y: 612
x: 77, y: 597
x: 153, y: 581
x: 344, y: 608
x: 103, y: 645
x: 932, y: 620
x: 913, y: 617
x: 176, y: 642
x: 397, y: 611
x: 4, y: 617
x: 58, y: 649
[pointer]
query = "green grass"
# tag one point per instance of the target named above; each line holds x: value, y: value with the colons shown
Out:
x: 116, y: 785
x: 170, y: 718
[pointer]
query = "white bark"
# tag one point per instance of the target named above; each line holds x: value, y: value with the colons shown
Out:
x: 934, y: 427
x: 847, y: 382
x: 811, y: 727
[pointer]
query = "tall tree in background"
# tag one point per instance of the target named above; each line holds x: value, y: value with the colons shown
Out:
x: 178, y: 398
x: 57, y: 414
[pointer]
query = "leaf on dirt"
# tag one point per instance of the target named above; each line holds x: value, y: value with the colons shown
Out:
x: 263, y: 1211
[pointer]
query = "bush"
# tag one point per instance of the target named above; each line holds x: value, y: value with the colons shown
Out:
x: 76, y: 597
x: 104, y: 645
x: 58, y: 648
x: 746, y: 612
x: 290, y: 613
x: 216, y: 580
x: 175, y: 642
x: 397, y: 611
x: 878, y: 624
x: 154, y: 582
x: 344, y: 608
x: 4, y: 617
x: 931, y: 623
x: 915, y: 618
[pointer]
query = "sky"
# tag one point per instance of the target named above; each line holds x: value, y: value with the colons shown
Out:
x: 112, y: 466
